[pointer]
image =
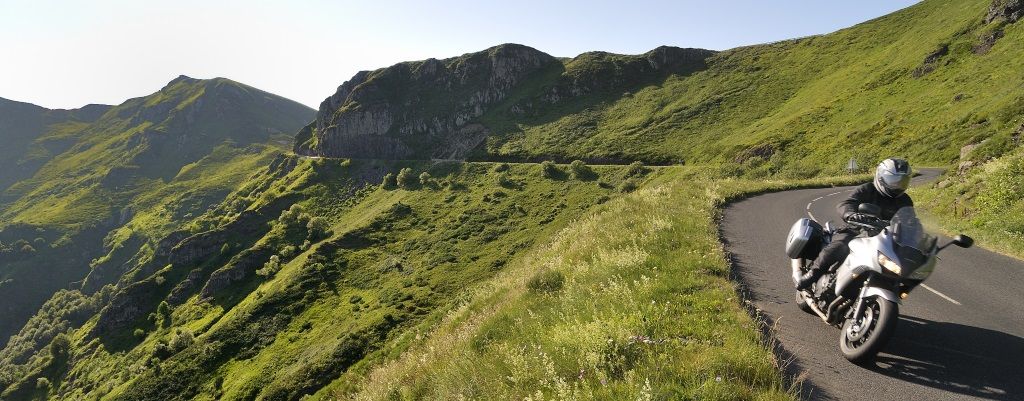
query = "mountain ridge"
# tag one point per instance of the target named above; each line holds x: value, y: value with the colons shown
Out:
x: 91, y: 178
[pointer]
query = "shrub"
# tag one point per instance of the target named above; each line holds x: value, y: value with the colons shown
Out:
x: 139, y: 333
x: 549, y: 169
x: 501, y: 167
x: 318, y: 227
x: 389, y: 181
x: 580, y: 170
x: 636, y: 168
x: 505, y: 182
x: 293, y: 214
x: 628, y: 185
x: 425, y: 179
x: 163, y: 314
x: 43, y: 383
x: 288, y: 251
x: 406, y: 178
x: 271, y: 267
x: 546, y: 281
x: 182, y: 339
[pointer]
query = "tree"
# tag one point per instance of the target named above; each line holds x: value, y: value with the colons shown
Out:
x: 389, y: 181
x: 580, y: 170
x: 318, y: 227
x: 425, y: 179
x: 163, y: 314
x: 636, y: 168
x: 271, y: 267
x: 406, y: 178
x: 549, y: 169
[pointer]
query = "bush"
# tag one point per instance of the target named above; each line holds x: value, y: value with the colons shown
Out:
x: 629, y: 185
x: 501, y: 167
x: 163, y: 314
x: 296, y: 213
x: 389, y: 181
x: 406, y: 178
x: 505, y: 182
x: 580, y: 170
x: 425, y: 179
x: 271, y: 267
x: 182, y: 339
x: 43, y: 383
x: 549, y: 169
x: 139, y: 333
x: 318, y: 227
x: 288, y: 251
x: 636, y: 168
x: 546, y: 281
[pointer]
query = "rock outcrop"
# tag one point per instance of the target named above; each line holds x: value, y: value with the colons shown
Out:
x: 1009, y: 10
x: 414, y: 109
x: 433, y: 108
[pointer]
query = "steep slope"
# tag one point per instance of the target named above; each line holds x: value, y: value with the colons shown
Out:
x: 440, y: 108
x: 921, y: 83
x: 306, y: 271
x: 106, y: 182
x: 32, y: 135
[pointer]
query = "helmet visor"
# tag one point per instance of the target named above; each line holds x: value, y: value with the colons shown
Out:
x: 895, y: 181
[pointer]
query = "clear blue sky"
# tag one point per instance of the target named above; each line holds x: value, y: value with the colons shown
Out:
x: 64, y: 54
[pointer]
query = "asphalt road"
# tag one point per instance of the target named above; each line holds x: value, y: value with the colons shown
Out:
x: 962, y: 337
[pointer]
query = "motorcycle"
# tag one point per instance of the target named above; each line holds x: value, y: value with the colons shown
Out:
x: 862, y: 294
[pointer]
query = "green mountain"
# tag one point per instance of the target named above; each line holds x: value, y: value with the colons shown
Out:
x: 33, y: 134
x: 376, y: 262
x: 83, y: 190
x: 922, y: 82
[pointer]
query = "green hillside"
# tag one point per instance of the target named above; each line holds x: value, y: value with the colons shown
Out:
x: 414, y: 248
x: 305, y: 272
x: 921, y: 83
x: 33, y: 134
x: 92, y: 187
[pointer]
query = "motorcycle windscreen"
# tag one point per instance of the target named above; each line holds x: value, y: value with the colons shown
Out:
x: 913, y: 244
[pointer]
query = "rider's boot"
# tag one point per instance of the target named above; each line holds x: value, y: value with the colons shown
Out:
x: 809, y: 278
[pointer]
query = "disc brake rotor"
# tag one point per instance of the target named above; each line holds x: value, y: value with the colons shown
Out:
x: 859, y: 329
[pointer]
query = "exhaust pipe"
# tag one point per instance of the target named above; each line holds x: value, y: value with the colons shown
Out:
x: 817, y: 311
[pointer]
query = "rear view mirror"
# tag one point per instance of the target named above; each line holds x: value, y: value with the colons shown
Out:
x: 869, y: 209
x: 963, y: 241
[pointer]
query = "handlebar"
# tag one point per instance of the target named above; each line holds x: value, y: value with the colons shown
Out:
x: 875, y: 224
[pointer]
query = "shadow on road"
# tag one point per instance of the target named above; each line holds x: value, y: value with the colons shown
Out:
x: 957, y: 358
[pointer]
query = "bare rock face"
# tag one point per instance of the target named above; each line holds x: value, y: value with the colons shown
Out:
x: 432, y: 109
x: 1009, y: 10
x: 420, y: 109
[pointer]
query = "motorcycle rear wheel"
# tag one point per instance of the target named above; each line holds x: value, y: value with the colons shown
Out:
x: 801, y: 302
x: 873, y: 330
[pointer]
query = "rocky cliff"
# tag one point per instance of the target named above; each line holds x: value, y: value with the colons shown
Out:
x: 437, y: 108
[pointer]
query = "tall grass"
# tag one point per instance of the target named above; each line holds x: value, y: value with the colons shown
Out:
x: 646, y: 311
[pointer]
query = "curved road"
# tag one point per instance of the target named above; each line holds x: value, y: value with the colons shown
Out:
x: 962, y: 337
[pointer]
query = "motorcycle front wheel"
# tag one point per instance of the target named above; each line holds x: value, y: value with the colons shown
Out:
x: 861, y: 340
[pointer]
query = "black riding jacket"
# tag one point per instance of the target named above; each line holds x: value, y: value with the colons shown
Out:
x: 868, y: 194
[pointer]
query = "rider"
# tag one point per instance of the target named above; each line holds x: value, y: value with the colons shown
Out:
x: 887, y: 190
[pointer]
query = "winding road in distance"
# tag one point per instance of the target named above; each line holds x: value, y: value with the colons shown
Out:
x: 959, y: 338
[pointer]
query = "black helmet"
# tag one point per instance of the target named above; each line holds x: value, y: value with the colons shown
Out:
x: 892, y: 177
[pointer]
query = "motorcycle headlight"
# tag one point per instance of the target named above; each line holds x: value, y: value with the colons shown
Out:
x: 889, y: 264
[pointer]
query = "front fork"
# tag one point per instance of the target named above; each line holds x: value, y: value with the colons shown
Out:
x: 858, y: 309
